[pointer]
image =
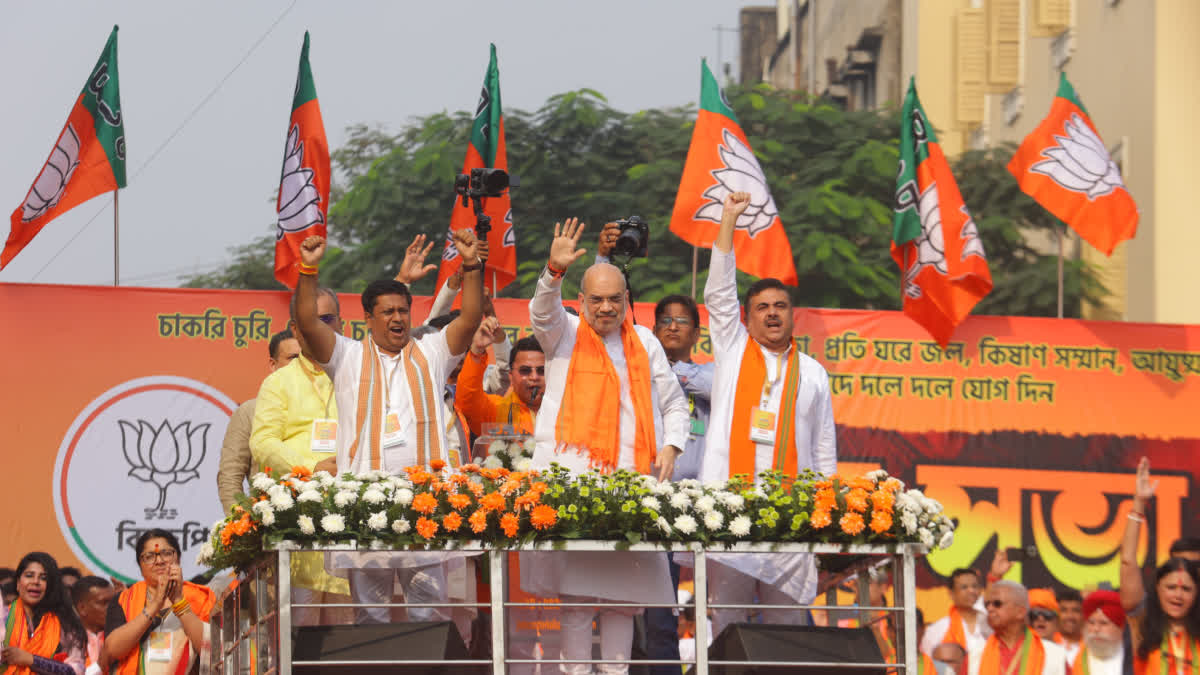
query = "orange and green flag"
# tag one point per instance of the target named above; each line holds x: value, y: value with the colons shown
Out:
x: 304, y: 183
x: 1067, y: 169
x: 486, y: 150
x: 943, y: 267
x: 88, y: 158
x: 719, y: 162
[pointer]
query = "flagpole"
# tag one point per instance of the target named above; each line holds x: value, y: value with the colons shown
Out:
x: 1059, y: 231
x: 695, y: 265
x: 116, y: 239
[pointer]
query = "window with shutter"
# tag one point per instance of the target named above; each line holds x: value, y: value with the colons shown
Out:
x: 1051, y: 17
x: 1004, y: 43
x: 971, y: 53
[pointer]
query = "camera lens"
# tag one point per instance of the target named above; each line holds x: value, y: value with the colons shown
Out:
x: 628, y: 242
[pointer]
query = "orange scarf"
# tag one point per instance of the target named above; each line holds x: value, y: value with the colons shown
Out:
x: 591, y: 404
x: 750, y: 384
x: 957, y: 633
x: 133, y: 601
x: 424, y: 393
x: 1163, y: 661
x: 1029, y: 659
x: 43, y: 642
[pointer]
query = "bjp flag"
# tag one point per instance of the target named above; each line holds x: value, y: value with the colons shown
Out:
x: 304, y: 184
x: 935, y: 242
x: 1066, y: 168
x: 720, y: 162
x: 486, y: 150
x: 88, y: 158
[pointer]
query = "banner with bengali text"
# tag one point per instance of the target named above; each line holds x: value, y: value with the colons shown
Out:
x: 1027, y: 430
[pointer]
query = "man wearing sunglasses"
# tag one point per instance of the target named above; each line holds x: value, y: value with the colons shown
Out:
x: 1013, y: 649
x: 519, y: 405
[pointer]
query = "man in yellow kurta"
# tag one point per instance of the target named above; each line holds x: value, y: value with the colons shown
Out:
x: 295, y: 424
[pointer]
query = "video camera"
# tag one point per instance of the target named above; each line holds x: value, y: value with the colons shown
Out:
x: 479, y: 184
x: 634, y: 239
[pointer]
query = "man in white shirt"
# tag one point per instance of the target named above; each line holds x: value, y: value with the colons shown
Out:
x: 754, y: 426
x: 399, y: 420
x: 611, y: 402
x: 965, y: 624
x: 1013, y: 648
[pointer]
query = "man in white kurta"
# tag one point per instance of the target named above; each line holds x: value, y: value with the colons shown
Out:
x: 585, y: 576
x: 407, y: 376
x: 775, y: 578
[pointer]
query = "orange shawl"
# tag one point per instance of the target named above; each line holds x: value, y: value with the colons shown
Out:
x: 425, y: 395
x: 1030, y: 658
x: 43, y: 642
x: 750, y: 384
x: 133, y: 601
x: 1162, y: 661
x: 957, y: 633
x: 591, y: 404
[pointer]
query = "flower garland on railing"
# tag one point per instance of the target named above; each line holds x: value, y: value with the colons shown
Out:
x: 440, y: 508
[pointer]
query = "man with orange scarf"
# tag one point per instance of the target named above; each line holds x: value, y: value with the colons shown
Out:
x: 771, y: 409
x: 1013, y: 648
x: 966, y: 622
x: 611, y: 402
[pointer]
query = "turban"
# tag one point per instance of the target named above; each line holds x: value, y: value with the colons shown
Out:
x: 1042, y: 598
x: 1108, y: 602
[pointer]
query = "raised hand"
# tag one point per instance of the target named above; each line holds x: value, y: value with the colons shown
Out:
x: 1143, y: 487
x: 1000, y: 564
x: 563, y: 249
x: 312, y: 249
x: 485, y: 335
x: 735, y: 205
x: 608, y: 239
x: 467, y: 245
x: 413, y: 266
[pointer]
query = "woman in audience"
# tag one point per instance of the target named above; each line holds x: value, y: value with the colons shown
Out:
x: 39, y: 631
x: 157, y: 624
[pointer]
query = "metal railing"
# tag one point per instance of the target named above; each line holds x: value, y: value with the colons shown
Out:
x: 252, y: 633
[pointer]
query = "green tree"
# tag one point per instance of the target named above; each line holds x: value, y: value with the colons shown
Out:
x: 832, y: 174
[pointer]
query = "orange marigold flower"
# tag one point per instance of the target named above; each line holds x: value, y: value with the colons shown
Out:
x: 301, y: 472
x: 856, y: 500
x: 469, y: 468
x: 420, y: 477
x: 424, y: 503
x: 475, y: 489
x: 510, y: 523
x: 820, y: 519
x: 478, y: 521
x: 861, y: 482
x: 882, y: 500
x: 852, y: 523
x: 227, y: 535
x: 517, y: 475
x: 452, y: 522
x: 502, y: 472
x: 881, y: 521
x: 426, y: 527
x: 459, y: 479
x: 823, y: 484
x: 509, y: 486
x: 490, y: 474
x: 539, y: 487
x: 437, y: 464
x: 543, y: 517
x: 460, y: 502
x: 439, y: 487
x: 410, y: 470
x: 493, y: 501
x: 825, y: 500
x: 526, y: 501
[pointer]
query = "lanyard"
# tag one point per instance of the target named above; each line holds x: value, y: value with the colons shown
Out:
x: 312, y: 379
x: 769, y: 382
x: 387, y: 377
x: 1179, y: 652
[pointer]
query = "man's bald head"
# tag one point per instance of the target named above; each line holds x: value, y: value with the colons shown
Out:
x: 603, y: 297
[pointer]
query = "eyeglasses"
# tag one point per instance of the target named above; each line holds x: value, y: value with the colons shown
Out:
x: 994, y: 604
x: 681, y: 321
x: 526, y: 371
x: 166, y: 555
x: 1039, y: 613
x: 328, y: 319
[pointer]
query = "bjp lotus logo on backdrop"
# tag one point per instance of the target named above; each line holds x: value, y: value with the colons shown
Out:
x: 137, y: 458
x: 165, y: 455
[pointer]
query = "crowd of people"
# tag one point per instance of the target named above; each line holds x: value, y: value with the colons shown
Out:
x: 593, y: 390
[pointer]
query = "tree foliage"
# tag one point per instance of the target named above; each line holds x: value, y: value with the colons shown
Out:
x: 832, y: 174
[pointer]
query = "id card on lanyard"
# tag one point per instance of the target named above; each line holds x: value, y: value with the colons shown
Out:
x: 763, y: 422
x: 323, y: 433
x: 392, y: 435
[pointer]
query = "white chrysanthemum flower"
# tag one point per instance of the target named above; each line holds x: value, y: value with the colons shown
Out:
x: 689, y: 483
x: 347, y: 485
x: 680, y: 501
x: 529, y: 446
x: 268, y: 518
x: 740, y: 526
x: 401, y: 525
x: 651, y: 503
x: 262, y: 481
x: 283, y: 501
x: 926, y: 537
x: 311, y: 496
x: 345, y: 498
x: 309, y: 486
x: 377, y: 520
x: 876, y: 475
x: 496, y: 447
x: 403, y: 497
x: 206, y: 553
x: 947, y: 539
x: 374, y: 495
x: 663, y: 524
x: 493, y: 462
x: 694, y: 493
x: 713, y: 520
x: 260, y: 507
x: 685, y: 524
x: 378, y: 475
x: 324, y: 478
x: 401, y: 483
x: 931, y: 506
x: 333, y: 523
x: 523, y: 464
x: 908, y: 521
x: 731, y: 501
x: 706, y: 504
x: 306, y: 525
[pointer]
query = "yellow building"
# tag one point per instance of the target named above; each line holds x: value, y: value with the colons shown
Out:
x: 987, y: 71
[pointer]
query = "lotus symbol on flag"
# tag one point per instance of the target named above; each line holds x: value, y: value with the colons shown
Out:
x: 931, y: 247
x: 740, y: 173
x: 164, y: 456
x: 299, y: 201
x: 450, y: 252
x: 1080, y: 162
x: 52, y: 182
x: 972, y: 244
x: 510, y: 235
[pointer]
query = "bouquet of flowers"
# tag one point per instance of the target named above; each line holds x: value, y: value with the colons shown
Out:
x: 502, y: 447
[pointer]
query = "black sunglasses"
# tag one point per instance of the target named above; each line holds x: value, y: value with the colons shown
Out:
x: 1039, y: 613
x: 526, y: 371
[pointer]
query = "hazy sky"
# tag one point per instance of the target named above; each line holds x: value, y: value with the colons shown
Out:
x: 211, y: 186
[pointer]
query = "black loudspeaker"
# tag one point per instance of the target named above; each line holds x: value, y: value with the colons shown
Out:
x: 429, y: 641
x: 761, y: 642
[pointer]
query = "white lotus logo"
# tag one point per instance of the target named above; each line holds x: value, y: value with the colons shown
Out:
x: 299, y: 201
x: 972, y: 244
x: 52, y: 182
x: 451, y: 251
x: 510, y: 234
x: 931, y: 246
x: 165, y: 455
x: 741, y: 173
x: 1080, y: 162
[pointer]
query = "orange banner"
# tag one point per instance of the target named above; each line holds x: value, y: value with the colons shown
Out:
x: 1028, y: 430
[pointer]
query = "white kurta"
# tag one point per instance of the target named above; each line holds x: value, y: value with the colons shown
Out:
x: 935, y: 633
x: 628, y: 577
x: 816, y: 442
x: 1055, y: 663
x: 345, y: 367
